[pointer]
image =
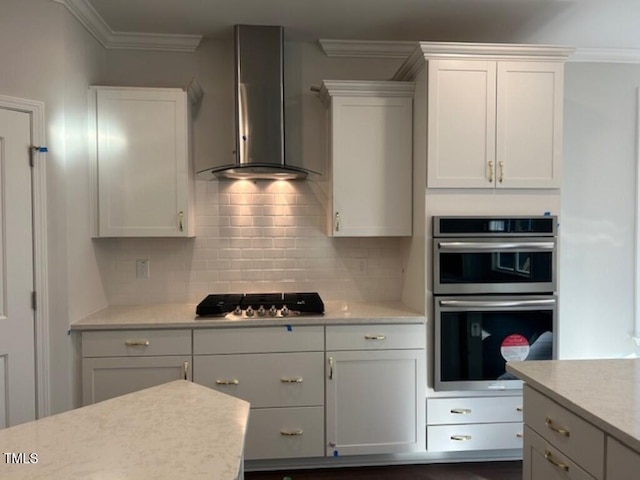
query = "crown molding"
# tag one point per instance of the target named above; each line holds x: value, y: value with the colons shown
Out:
x: 364, y: 88
x: 95, y: 24
x: 367, y: 48
x: 403, y: 50
x: 606, y: 55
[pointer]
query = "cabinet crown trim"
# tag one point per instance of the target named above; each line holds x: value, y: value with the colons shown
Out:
x: 357, y: 88
x: 486, y: 51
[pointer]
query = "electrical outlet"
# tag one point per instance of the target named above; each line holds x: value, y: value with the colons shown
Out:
x: 142, y: 269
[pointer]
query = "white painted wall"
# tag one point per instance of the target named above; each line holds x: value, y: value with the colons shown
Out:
x: 46, y: 56
x: 597, y: 227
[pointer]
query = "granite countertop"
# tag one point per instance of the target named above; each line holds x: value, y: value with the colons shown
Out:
x: 184, y: 316
x: 603, y: 392
x: 178, y: 430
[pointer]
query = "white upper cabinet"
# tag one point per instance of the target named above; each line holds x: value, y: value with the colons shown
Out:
x: 370, y: 127
x: 493, y: 113
x: 142, y: 162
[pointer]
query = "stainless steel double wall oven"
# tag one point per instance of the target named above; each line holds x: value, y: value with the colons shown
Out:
x: 495, y: 300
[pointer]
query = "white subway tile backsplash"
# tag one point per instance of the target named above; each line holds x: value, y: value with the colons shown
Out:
x: 252, y: 237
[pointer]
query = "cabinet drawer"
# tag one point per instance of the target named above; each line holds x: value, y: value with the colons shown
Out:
x: 542, y: 460
x: 285, y: 433
x: 622, y: 462
x: 465, y: 437
x: 134, y: 343
x: 575, y: 437
x: 259, y: 340
x: 375, y: 337
x: 442, y: 411
x: 265, y: 380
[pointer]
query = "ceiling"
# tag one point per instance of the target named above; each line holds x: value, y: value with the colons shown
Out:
x: 580, y: 23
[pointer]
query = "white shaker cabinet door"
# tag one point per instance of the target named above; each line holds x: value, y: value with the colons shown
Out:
x: 375, y: 403
x: 143, y: 169
x: 529, y: 124
x: 461, y: 109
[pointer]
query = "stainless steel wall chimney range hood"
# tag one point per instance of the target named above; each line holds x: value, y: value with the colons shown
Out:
x: 259, y: 105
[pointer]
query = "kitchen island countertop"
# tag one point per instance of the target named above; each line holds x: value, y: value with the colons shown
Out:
x: 178, y: 430
x: 603, y: 392
x: 184, y: 316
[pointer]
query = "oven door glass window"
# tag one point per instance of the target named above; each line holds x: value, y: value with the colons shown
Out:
x: 493, y: 271
x: 475, y: 344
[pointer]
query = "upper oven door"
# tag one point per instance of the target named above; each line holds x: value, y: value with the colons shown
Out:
x: 494, y: 265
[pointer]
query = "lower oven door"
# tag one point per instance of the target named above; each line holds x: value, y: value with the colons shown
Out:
x: 476, y: 336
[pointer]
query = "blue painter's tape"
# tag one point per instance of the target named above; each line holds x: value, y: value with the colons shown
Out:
x: 335, y: 453
x: 547, y: 214
x: 43, y: 149
x: 289, y: 328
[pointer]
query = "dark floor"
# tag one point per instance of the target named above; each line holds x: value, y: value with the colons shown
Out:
x: 438, y: 471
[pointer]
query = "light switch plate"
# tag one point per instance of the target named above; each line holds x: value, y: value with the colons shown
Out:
x: 142, y: 269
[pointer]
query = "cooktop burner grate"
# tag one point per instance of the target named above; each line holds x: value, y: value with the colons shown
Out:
x: 261, y: 304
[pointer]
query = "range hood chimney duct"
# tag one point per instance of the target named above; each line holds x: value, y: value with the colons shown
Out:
x: 259, y: 108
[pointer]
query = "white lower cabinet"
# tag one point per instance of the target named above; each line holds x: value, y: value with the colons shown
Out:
x: 474, y: 423
x: 622, y: 462
x: 285, y: 387
x: 285, y: 433
x: 116, y: 362
x: 375, y: 396
x: 543, y: 461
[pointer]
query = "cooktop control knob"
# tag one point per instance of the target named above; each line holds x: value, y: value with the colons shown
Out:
x: 249, y: 311
x: 284, y: 311
x: 262, y: 311
x: 237, y: 311
x: 273, y: 311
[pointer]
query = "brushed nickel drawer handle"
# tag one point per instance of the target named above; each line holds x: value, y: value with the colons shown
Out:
x: 227, y: 382
x: 330, y: 368
x: 519, y: 435
x: 375, y: 337
x: 185, y: 370
x: 559, y: 430
x: 137, y: 343
x: 461, y: 411
x: 291, y: 379
x: 461, y: 438
x: 519, y: 409
x: 291, y: 433
x: 554, y: 462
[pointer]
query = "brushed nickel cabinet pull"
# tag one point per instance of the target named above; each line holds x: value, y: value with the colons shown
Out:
x: 501, y: 165
x: 185, y: 370
x: 181, y: 220
x: 375, y: 337
x: 227, y: 382
x: 291, y: 433
x: 137, y: 343
x: 461, y: 438
x: 519, y: 435
x: 519, y: 409
x: 490, y: 171
x: 461, y: 411
x: 559, y: 430
x: 337, y: 221
x: 291, y: 379
x: 330, y: 368
x: 549, y: 457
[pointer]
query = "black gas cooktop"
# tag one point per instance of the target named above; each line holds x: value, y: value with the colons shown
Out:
x: 261, y: 304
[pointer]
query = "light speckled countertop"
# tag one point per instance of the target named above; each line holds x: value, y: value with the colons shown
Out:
x: 184, y: 316
x: 606, y: 393
x: 178, y: 430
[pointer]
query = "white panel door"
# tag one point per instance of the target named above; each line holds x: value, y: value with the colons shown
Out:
x: 17, y: 353
x: 461, y: 124
x: 529, y: 124
x: 375, y: 402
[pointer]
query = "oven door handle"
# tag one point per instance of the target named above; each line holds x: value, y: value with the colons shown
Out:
x: 498, y: 303
x: 466, y: 246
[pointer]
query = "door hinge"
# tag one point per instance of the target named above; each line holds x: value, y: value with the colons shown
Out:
x: 33, y: 150
x: 34, y: 301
